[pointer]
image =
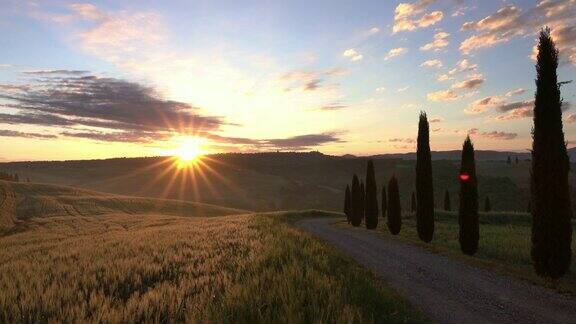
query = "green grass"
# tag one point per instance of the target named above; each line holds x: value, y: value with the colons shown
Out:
x: 504, y: 244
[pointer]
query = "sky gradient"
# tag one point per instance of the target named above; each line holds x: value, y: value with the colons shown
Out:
x: 136, y: 78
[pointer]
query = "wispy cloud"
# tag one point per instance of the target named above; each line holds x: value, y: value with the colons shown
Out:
x: 440, y: 41
x: 432, y: 63
x: 12, y: 133
x: 510, y: 21
x: 443, y: 95
x: 411, y: 16
x: 515, y: 92
x: 472, y: 82
x: 352, y: 54
x: 395, y: 52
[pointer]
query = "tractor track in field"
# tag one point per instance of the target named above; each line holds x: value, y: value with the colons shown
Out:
x: 446, y: 290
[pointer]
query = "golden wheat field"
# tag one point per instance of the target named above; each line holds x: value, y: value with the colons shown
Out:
x: 149, y: 267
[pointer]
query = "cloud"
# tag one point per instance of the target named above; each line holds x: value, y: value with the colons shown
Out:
x: 122, y: 107
x: 396, y: 52
x: 440, y: 41
x: 510, y: 21
x: 432, y: 63
x: 403, y: 89
x: 55, y: 72
x: 411, y: 16
x: 445, y: 95
x: 374, y: 30
x: 11, y: 133
x: 482, y: 105
x: 462, y: 66
x: 515, y: 105
x: 332, y: 107
x: 499, y: 135
x: 115, y: 34
x: 380, y: 89
x: 435, y: 120
x: 301, y: 142
x: 516, y: 92
x: 473, y: 82
x: 352, y: 54
x: 5, y: 66
x: 402, y: 140
x: 571, y: 119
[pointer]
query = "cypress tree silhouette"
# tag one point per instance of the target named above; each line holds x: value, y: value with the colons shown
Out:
x: 355, y: 202
x: 384, y: 201
x: 412, y: 203
x: 516, y: 160
x: 394, y: 208
x: 362, y: 201
x: 424, y: 188
x: 447, y: 201
x: 509, y: 161
x: 487, y: 205
x: 468, y: 211
x: 347, y: 207
x: 550, y: 207
x: 371, y: 203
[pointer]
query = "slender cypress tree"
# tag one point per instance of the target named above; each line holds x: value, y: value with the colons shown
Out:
x: 468, y: 212
x: 413, y: 203
x: 487, y: 205
x: 424, y: 187
x: 384, y: 201
x: 347, y: 207
x: 447, y: 201
x: 394, y: 208
x: 362, y: 201
x: 355, y: 203
x: 550, y: 207
x: 371, y: 204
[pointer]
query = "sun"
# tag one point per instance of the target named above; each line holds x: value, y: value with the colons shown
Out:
x: 189, y: 151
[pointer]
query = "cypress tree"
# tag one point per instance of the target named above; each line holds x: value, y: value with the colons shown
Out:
x: 550, y: 199
x: 424, y: 189
x: 371, y: 203
x: 384, y: 201
x: 412, y: 203
x: 347, y: 206
x: 355, y: 202
x: 516, y: 160
x: 487, y: 206
x: 468, y: 211
x: 394, y: 208
x: 509, y: 161
x: 447, y: 201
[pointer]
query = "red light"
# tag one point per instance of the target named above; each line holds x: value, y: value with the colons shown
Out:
x: 464, y: 177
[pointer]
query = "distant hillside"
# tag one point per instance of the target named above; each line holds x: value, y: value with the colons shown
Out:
x: 481, y: 155
x: 22, y: 201
x: 280, y: 181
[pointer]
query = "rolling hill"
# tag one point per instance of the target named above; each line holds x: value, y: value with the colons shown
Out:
x: 275, y: 181
x: 20, y: 202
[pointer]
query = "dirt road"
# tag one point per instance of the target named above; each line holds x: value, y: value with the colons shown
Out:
x: 448, y: 291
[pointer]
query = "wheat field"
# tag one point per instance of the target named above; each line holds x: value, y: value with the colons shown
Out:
x: 116, y: 267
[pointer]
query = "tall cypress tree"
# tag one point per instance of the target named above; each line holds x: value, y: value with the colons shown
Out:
x: 447, y: 206
x: 487, y: 205
x: 394, y: 208
x: 384, y: 201
x: 371, y: 204
x: 355, y: 202
x: 347, y: 207
x: 550, y: 207
x: 468, y: 213
x: 413, y: 203
x: 424, y: 188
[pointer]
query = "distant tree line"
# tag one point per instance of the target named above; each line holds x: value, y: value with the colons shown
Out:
x: 549, y: 203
